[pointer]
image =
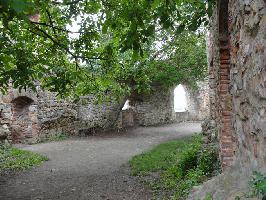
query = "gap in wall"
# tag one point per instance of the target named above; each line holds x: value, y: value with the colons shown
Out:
x: 180, y: 101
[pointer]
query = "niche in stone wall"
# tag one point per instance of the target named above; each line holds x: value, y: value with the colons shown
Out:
x: 180, y: 101
x: 21, y: 123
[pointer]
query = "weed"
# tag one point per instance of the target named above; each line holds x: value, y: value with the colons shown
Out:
x: 258, y: 185
x: 182, y: 164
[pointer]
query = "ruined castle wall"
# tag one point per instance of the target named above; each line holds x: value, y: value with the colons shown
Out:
x: 32, y: 116
x: 155, y: 108
x: 219, y: 81
x: 237, y: 62
x: 158, y: 107
x: 198, y: 102
x: 95, y: 116
x: 20, y: 111
x: 56, y: 115
x: 247, y: 28
x: 237, y: 80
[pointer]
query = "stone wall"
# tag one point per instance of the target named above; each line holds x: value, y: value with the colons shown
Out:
x: 32, y: 116
x: 248, y: 80
x: 198, y: 102
x: 94, y: 117
x: 237, y: 62
x: 128, y: 118
x: 19, y: 114
x: 238, y: 80
x: 154, y: 108
x: 158, y: 107
x: 55, y: 115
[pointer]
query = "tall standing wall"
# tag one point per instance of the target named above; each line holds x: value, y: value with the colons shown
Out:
x: 237, y: 78
x: 237, y: 66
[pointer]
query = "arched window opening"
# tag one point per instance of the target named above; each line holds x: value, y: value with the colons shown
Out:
x: 180, y: 101
x: 126, y: 105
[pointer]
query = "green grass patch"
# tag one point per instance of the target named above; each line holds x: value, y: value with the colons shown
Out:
x: 159, y: 158
x: 181, y: 163
x: 13, y: 158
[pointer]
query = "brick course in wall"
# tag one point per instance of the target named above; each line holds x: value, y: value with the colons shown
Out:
x: 220, y: 84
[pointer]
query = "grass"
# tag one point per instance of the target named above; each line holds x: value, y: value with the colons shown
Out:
x: 13, y: 158
x: 160, y: 158
x: 181, y: 164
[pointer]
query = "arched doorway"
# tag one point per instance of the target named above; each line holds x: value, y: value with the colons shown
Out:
x: 180, y: 100
x: 21, y: 125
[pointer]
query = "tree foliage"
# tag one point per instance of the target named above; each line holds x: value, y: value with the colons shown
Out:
x: 112, y: 49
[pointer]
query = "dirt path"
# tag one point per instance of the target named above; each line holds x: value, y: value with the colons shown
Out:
x: 93, y: 168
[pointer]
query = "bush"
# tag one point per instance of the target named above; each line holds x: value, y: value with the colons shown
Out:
x: 192, y: 178
x: 208, y: 161
x: 196, y: 176
x: 188, y: 159
x: 182, y: 164
x: 258, y: 184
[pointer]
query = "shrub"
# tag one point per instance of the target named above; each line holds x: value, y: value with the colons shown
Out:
x: 258, y: 184
x: 182, y: 164
x: 208, y: 161
x: 188, y: 159
x: 196, y: 176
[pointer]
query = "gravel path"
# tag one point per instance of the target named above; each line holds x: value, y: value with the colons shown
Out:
x: 92, y: 168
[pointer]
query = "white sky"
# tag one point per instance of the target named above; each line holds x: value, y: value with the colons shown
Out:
x: 126, y: 105
x: 180, y: 102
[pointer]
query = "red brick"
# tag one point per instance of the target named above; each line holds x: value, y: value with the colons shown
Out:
x: 255, y: 149
x: 225, y: 137
x: 227, y: 152
x: 227, y: 144
x: 224, y: 77
x: 226, y: 129
x: 225, y: 81
x: 227, y: 113
x: 227, y: 62
x: 224, y: 71
x: 224, y: 87
x: 226, y: 120
x: 225, y: 55
x: 224, y: 66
